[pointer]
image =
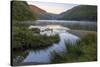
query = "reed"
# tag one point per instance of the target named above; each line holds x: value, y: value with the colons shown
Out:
x: 84, y: 50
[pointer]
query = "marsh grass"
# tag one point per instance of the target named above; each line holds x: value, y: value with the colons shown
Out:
x: 18, y: 57
x: 27, y: 40
x: 24, y: 38
x: 84, y: 50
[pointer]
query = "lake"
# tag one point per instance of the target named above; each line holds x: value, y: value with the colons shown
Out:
x: 83, y: 25
x: 44, y: 56
x: 75, y: 25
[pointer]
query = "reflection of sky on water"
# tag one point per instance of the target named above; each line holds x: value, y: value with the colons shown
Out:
x: 44, y: 56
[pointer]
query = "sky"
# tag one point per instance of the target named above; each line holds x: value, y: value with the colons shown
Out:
x: 51, y: 7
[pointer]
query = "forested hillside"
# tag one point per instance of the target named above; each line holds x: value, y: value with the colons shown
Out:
x: 21, y: 12
x: 81, y: 12
x: 41, y: 14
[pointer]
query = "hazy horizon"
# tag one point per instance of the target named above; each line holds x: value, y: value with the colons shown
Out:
x: 50, y: 7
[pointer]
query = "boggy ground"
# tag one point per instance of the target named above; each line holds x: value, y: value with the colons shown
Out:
x: 83, y: 51
x: 24, y: 39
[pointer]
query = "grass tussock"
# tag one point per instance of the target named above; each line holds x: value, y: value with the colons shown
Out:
x: 84, y: 50
x: 24, y: 38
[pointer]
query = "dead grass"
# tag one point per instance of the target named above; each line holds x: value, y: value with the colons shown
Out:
x: 81, y: 33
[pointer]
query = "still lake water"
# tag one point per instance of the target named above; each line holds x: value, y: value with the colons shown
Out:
x: 83, y: 25
x: 44, y: 56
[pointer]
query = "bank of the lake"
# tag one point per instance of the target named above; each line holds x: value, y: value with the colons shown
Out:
x: 84, y: 50
x: 44, y: 56
x: 81, y: 33
x: 24, y: 39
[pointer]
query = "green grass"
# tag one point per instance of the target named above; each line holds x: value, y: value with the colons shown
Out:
x: 84, y: 50
x: 24, y: 38
x: 18, y: 57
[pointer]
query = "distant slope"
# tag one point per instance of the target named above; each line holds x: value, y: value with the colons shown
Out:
x: 40, y: 13
x: 37, y: 9
x: 81, y: 12
x: 21, y: 12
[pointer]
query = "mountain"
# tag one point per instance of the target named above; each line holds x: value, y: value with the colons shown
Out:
x: 81, y: 12
x: 40, y: 13
x: 21, y: 12
x: 37, y: 9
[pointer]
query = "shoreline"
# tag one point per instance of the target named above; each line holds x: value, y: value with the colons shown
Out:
x: 81, y: 33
